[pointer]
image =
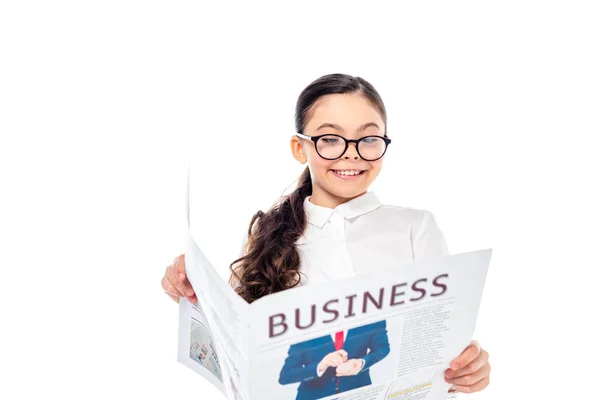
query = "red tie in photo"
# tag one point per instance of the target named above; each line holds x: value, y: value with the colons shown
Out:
x: 339, y: 340
x: 339, y: 343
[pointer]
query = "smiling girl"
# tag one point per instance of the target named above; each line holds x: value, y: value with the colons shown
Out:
x: 332, y: 227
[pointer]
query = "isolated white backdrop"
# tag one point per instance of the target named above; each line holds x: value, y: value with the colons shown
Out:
x: 493, y: 109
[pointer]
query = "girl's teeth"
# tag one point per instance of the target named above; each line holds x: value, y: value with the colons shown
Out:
x: 347, y: 172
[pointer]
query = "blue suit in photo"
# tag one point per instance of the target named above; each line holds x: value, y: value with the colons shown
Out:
x: 368, y: 342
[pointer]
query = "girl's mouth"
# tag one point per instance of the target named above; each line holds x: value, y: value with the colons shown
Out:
x: 347, y: 174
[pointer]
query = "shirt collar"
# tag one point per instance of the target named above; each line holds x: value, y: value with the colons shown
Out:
x: 318, y: 215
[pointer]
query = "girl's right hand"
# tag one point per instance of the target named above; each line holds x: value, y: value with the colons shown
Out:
x: 175, y: 282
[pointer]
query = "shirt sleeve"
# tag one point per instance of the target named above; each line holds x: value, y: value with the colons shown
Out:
x: 361, y: 365
x: 320, y: 373
x: 429, y: 241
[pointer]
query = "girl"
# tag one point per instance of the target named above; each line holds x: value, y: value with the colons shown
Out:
x: 331, y: 226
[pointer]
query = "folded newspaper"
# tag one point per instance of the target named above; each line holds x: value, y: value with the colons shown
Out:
x: 400, y: 328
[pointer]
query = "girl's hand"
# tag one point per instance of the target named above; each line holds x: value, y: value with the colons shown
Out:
x: 175, y: 283
x: 469, y: 372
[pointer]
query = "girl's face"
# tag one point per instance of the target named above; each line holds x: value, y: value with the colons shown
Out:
x: 349, y: 115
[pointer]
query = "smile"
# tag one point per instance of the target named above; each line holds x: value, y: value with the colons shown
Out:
x: 348, y: 173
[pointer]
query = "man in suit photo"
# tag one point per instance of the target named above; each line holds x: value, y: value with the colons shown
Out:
x: 335, y: 363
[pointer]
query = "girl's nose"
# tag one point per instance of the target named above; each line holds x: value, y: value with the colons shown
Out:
x: 351, y: 151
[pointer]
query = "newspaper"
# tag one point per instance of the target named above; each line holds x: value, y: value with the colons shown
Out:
x: 396, y: 331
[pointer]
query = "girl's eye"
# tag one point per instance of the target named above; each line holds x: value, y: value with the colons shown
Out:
x: 330, y: 140
x: 371, y: 140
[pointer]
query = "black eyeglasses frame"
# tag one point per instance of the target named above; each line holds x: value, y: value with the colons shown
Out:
x: 315, y: 139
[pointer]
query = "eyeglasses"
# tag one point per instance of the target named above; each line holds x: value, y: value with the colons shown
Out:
x: 332, y: 147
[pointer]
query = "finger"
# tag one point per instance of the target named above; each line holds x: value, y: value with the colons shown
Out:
x: 184, y: 287
x: 476, y: 387
x: 170, y: 290
x: 470, y: 379
x: 169, y: 283
x: 350, y: 372
x: 475, y: 365
x: 330, y: 360
x: 468, y: 355
x: 338, y: 359
x: 179, y: 266
x: 342, y: 358
x: 181, y: 276
x: 175, y: 298
x: 178, y: 287
x: 344, y: 354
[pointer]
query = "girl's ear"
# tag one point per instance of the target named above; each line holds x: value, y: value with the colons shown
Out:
x: 297, y: 150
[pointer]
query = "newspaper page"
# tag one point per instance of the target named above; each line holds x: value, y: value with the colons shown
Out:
x: 394, y: 332
x: 400, y: 329
x: 214, y: 332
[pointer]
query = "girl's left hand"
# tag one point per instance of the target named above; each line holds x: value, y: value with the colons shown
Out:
x: 470, y: 372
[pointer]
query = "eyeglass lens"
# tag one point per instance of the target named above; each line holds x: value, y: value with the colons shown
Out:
x: 370, y: 148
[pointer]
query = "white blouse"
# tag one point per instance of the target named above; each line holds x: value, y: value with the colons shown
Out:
x: 362, y: 235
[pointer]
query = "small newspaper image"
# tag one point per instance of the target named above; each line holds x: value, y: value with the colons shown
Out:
x: 396, y: 331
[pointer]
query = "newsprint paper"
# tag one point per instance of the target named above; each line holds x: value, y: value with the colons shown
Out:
x: 396, y: 331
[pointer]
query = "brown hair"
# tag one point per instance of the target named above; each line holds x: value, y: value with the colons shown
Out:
x: 271, y: 262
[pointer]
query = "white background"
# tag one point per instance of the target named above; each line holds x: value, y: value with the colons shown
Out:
x: 494, y: 114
